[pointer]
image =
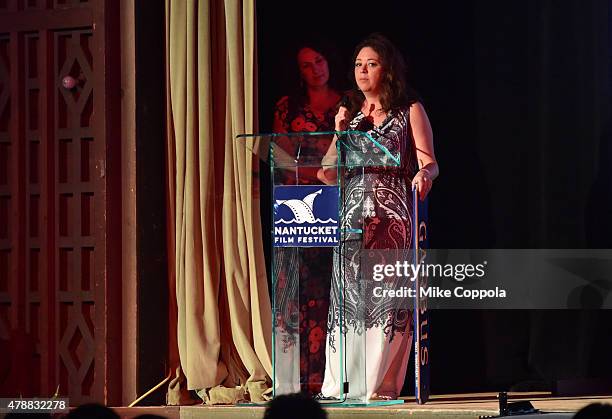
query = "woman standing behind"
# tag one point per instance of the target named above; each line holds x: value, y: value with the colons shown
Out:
x: 378, y: 202
x: 311, y: 109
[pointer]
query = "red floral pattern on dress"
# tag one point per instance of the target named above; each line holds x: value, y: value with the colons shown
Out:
x: 315, y: 263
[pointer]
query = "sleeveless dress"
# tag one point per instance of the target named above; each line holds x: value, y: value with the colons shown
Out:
x: 309, y: 267
x: 299, y: 117
x: 377, y: 331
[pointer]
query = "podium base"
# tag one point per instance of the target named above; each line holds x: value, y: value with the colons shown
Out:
x: 337, y: 403
x: 360, y: 403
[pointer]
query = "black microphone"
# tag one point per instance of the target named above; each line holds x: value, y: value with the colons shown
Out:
x: 345, y: 101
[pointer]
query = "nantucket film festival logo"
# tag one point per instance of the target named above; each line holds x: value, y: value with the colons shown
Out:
x: 306, y: 216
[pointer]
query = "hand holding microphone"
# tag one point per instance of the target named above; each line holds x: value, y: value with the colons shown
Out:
x: 342, y: 119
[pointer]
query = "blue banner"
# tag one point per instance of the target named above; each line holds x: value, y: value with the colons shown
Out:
x: 421, y: 313
x: 306, y: 216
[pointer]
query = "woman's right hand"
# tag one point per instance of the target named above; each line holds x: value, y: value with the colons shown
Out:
x: 342, y: 119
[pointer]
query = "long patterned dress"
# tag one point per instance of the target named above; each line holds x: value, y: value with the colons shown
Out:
x: 310, y: 267
x: 377, y: 331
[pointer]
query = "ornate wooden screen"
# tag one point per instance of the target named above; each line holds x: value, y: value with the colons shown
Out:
x: 59, y: 237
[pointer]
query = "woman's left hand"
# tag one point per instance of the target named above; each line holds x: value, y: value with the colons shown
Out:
x: 422, y: 181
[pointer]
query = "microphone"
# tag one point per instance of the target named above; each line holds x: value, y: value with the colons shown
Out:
x: 345, y: 101
x: 351, y: 100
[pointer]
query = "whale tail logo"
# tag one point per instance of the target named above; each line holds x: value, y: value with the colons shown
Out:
x: 302, y: 209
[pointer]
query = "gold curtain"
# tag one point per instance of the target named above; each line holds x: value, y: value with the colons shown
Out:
x: 223, y: 310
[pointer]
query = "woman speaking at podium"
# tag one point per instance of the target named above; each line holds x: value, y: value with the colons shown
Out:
x: 377, y: 201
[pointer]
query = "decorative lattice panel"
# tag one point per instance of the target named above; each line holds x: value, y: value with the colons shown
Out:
x: 54, y: 212
x: 34, y: 220
x: 75, y: 142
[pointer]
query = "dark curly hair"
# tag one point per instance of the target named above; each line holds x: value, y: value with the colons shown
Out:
x: 395, y: 92
x: 327, y: 50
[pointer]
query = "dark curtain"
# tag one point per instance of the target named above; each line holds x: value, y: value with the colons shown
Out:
x: 543, y: 115
x: 518, y: 93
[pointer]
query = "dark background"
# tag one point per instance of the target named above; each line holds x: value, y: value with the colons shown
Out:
x: 518, y: 94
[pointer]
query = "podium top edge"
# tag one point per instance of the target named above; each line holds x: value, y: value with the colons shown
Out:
x: 304, y: 133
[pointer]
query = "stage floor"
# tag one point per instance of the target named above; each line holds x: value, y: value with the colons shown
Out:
x: 472, y: 405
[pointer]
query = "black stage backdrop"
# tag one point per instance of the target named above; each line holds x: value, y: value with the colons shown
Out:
x: 518, y: 93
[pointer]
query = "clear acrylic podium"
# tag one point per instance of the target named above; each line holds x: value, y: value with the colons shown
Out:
x: 303, y: 219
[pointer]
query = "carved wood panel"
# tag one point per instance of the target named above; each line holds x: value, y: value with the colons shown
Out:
x: 75, y: 144
x: 54, y: 202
